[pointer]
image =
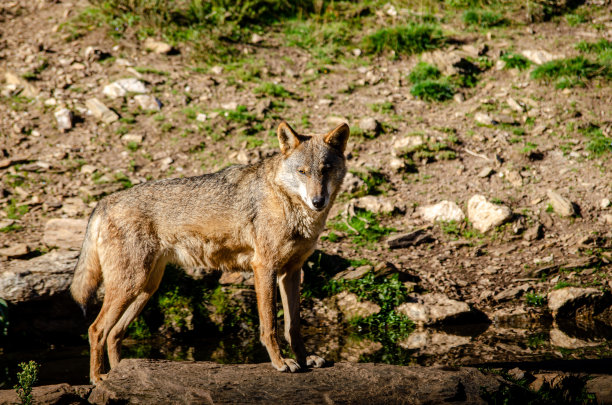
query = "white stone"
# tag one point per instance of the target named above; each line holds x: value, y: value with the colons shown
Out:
x: 483, y: 118
x: 256, y: 38
x: 375, y: 204
x: 216, y: 70
x: 539, y: 56
x: 485, y: 215
x: 201, y: 117
x: 567, y: 297
x: 368, y: 125
x: 232, y: 105
x: 406, y: 144
x: 560, y: 204
x: 100, y: 111
x: 148, y: 102
x: 157, y: 46
x: 131, y: 138
x: 64, y: 118
x: 122, y: 87
x: 433, y: 308
x: 442, y: 211
x: 605, y: 203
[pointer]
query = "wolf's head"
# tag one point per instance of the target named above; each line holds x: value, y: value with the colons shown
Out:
x: 313, y: 166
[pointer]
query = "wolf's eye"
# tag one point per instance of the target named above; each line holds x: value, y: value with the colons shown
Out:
x: 301, y: 171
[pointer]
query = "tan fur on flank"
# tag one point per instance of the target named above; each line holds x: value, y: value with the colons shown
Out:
x: 265, y: 217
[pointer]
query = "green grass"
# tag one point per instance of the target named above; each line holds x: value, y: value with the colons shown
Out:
x: 598, y: 143
x: 363, y: 229
x: 375, y: 183
x: 424, y: 71
x: 535, y: 300
x: 515, y: 61
x: 239, y: 115
x: 14, y: 211
x: 148, y: 70
x: 26, y: 378
x: 404, y: 40
x: 432, y: 90
x: 385, y: 107
x: 572, y: 72
x: 601, y: 48
x: 271, y: 89
x: 483, y: 18
x: 324, y: 40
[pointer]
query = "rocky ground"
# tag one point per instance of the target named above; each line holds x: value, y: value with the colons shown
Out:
x: 493, y: 208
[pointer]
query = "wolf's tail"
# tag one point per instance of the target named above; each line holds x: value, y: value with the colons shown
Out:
x: 88, y: 272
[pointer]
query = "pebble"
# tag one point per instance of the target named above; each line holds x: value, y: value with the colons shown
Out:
x: 121, y: 87
x: 64, y: 118
x: 560, y: 204
x: 539, y: 56
x: 100, y: 111
x: 216, y: 70
x: 483, y: 118
x: 442, y: 211
x: 369, y: 125
x: 515, y: 105
x: 485, y: 215
x: 486, y: 172
x: 201, y: 117
x: 148, y: 102
x: 156, y: 46
x: 256, y: 38
x: 605, y: 203
x: 131, y: 138
x: 406, y: 144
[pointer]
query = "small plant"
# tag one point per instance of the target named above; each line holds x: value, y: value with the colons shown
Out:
x: 363, y: 228
x: 26, y: 379
x: 386, y: 107
x: 571, y: 72
x: 271, y: 89
x: 483, y: 18
x: 423, y: 71
x: 574, y: 19
x: 14, y: 211
x: 375, y: 183
x: 133, y: 146
x: 239, y: 115
x: 515, y: 61
x: 598, y: 143
x: 535, y: 300
x: 432, y: 90
x: 562, y: 284
x: 599, y: 47
x: 406, y: 39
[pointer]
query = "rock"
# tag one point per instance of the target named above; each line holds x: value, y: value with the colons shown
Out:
x: 406, y: 144
x: 358, y: 273
x: 486, y: 172
x: 201, y: 117
x: 51, y: 394
x: 64, y: 118
x: 88, y: 169
x: 539, y: 57
x: 397, y: 164
x: 376, y: 204
x: 483, y: 119
x: 162, y: 381
x: 352, y: 183
x: 560, y: 339
x: 231, y: 106
x: 515, y: 105
x: 256, y: 38
x: 20, y: 249
x: 231, y: 278
x: 38, y: 278
x: 74, y: 207
x: 601, y: 386
x: 127, y: 138
x: 485, y: 215
x: 513, y: 177
x: 65, y: 233
x: 432, y: 342
x: 156, y: 46
x: 450, y: 63
x: 605, y: 203
x: 434, y: 308
x: 511, y: 293
x: 216, y: 70
x: 336, y: 120
x: 442, y: 211
x: 533, y: 233
x: 369, y: 125
x: 564, y: 302
x: 547, y: 381
x: 100, y: 111
x: 459, y: 97
x: 122, y: 87
x: 560, y: 204
x: 351, y: 307
x: 414, y: 238
x: 27, y: 88
x: 607, y: 219
x: 148, y: 102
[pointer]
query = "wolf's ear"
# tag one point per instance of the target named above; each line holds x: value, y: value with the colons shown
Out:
x: 287, y: 138
x: 338, y: 137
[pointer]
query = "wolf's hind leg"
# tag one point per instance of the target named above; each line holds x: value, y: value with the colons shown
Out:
x: 131, y: 312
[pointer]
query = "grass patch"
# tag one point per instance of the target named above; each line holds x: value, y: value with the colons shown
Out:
x: 375, y: 183
x: 324, y: 40
x: 363, y: 229
x: 598, y: 143
x: 404, y: 40
x: 535, y: 300
x: 432, y: 90
x: 424, y: 71
x: 459, y: 229
x: 515, y: 61
x: 483, y: 18
x: 14, y: 211
x: 566, y: 73
x: 271, y: 89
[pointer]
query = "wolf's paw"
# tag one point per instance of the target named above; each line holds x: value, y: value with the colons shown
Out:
x: 97, y: 379
x: 315, y: 361
x: 288, y: 366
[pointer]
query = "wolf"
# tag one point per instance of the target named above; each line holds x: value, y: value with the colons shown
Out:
x: 265, y: 217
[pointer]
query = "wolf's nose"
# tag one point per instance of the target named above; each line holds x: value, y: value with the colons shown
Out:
x: 318, y: 202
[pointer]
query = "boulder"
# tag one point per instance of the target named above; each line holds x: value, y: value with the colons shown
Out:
x: 560, y: 339
x: 376, y: 204
x: 560, y: 204
x: 138, y: 381
x: 351, y: 307
x: 485, y: 215
x: 442, y: 211
x: 156, y: 46
x: 148, y: 102
x: 100, y: 111
x: 565, y: 302
x: 434, y: 308
x: 39, y: 278
x: 65, y: 233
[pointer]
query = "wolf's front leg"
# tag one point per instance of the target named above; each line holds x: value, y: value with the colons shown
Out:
x: 290, y: 295
x: 265, y: 287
